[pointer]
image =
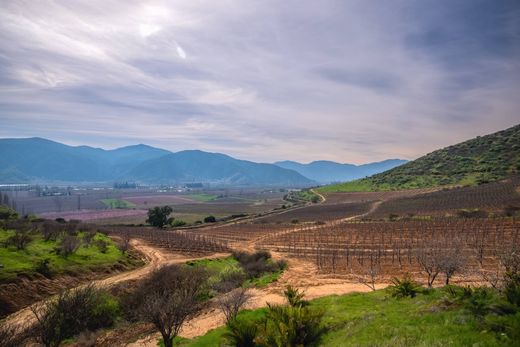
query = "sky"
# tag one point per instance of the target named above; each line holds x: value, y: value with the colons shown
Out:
x: 349, y: 81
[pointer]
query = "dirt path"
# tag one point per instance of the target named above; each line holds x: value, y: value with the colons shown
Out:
x: 155, y: 258
x: 300, y: 274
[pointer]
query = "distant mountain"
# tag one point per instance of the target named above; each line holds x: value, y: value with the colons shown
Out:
x: 41, y: 160
x: 198, y: 166
x: 328, y: 171
x: 483, y: 159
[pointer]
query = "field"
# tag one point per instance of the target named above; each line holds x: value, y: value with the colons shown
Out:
x: 117, y: 203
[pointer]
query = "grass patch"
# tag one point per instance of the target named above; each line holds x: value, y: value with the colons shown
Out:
x: 117, y: 203
x: 376, y: 319
x: 264, y: 280
x: 16, y: 262
x: 202, y: 197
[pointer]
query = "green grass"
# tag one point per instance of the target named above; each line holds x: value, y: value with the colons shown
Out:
x: 117, y: 203
x: 264, y: 280
x: 219, y: 266
x: 376, y: 319
x: 202, y: 197
x: 16, y: 262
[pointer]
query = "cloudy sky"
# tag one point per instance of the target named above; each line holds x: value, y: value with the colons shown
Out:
x: 350, y: 81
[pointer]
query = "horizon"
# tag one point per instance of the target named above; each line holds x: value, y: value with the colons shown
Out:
x: 193, y: 149
x: 348, y: 82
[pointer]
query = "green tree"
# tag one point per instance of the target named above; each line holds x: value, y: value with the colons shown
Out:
x: 159, y: 216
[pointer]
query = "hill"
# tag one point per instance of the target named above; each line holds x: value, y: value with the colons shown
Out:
x: 483, y: 159
x: 37, y: 160
x: 324, y: 172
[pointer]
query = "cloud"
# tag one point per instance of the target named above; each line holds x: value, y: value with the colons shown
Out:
x: 347, y: 81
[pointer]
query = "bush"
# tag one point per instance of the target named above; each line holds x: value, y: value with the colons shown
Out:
x: 512, y: 288
x: 20, y: 239
x: 241, y: 333
x: 258, y: 263
x: 210, y: 219
x: 178, y: 223
x: 168, y: 298
x: 102, y: 245
x: 294, y: 297
x: 472, y: 213
x: 229, y: 280
x: 68, y: 245
x: 73, y: 312
x: 43, y: 268
x: 292, y: 326
x: 404, y: 287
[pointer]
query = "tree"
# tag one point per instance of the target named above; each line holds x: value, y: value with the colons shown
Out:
x: 452, y: 261
x: 231, y: 303
x: 169, y: 297
x: 159, y: 216
x: 210, y: 219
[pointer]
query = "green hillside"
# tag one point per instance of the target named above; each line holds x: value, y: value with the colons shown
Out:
x: 480, y: 160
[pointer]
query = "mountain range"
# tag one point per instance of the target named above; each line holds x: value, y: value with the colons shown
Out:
x: 324, y: 171
x: 38, y: 160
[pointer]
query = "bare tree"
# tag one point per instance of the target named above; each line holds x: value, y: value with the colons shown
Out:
x: 231, y: 303
x: 169, y: 297
x: 372, y: 269
x: 452, y: 261
x: 20, y: 239
x: 430, y: 259
x: 69, y: 244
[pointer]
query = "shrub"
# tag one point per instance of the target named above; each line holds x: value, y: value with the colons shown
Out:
x: 51, y: 230
x: 403, y: 287
x: 292, y: 326
x: 102, y: 245
x: 210, y: 219
x: 88, y: 236
x: 294, y: 297
x: 241, y: 333
x: 68, y: 245
x: 168, y: 298
x: 178, y: 223
x: 512, y: 288
x: 43, y: 267
x: 72, y: 312
x: 20, y: 239
x: 229, y: 280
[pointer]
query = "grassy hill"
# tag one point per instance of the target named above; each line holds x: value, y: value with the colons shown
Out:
x: 483, y: 159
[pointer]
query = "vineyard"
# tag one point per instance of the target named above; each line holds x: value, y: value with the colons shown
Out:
x: 366, y: 250
x: 491, y: 197
x: 319, y: 213
x: 174, y: 241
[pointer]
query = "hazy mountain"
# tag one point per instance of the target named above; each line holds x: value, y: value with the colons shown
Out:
x: 197, y: 166
x: 483, y: 159
x: 328, y: 171
x: 41, y: 160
